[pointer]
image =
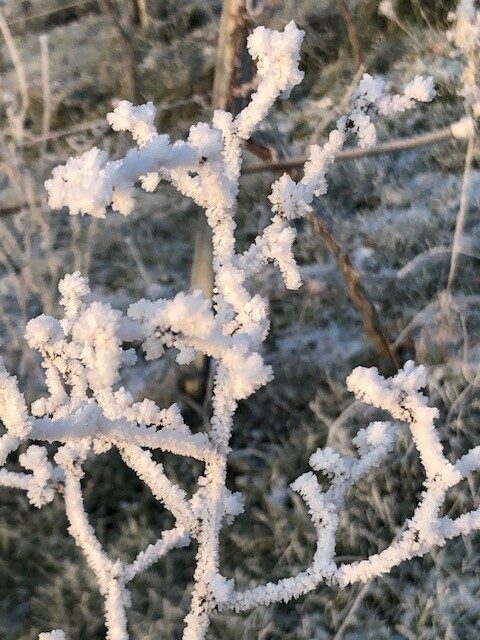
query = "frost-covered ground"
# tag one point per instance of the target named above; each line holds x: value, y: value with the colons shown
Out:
x: 394, y: 215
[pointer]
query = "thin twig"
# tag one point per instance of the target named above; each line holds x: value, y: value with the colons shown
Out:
x: 352, y: 33
x: 362, y: 592
x: 141, y: 13
x: 51, y: 12
x: 63, y: 133
x: 462, y: 212
x: 357, y: 293
x: 399, y: 144
x: 15, y: 208
x: 46, y: 95
x: 128, y: 46
x: 17, y: 120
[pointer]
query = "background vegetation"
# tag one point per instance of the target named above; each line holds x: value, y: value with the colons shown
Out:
x: 394, y: 215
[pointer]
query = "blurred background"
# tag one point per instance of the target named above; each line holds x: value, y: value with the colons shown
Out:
x: 386, y: 224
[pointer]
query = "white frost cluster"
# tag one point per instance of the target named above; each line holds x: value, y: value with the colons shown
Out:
x: 87, y: 410
x: 386, y: 8
x: 139, y: 121
x: 370, y: 99
x: 56, y: 634
x: 83, y: 184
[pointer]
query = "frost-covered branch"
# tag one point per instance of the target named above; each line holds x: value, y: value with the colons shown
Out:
x: 292, y: 199
x: 172, y: 539
x: 166, y: 492
x: 401, y: 397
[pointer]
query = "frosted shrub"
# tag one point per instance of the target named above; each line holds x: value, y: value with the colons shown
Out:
x: 87, y: 411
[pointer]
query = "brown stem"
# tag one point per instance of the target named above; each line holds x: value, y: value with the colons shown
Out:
x: 352, y: 33
x: 401, y: 144
x: 356, y: 291
x: 140, y: 12
x: 129, y: 49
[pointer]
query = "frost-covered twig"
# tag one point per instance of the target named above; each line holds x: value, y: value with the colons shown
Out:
x: 172, y: 539
x: 401, y: 397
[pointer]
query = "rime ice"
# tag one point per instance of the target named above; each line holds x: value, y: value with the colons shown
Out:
x: 86, y: 410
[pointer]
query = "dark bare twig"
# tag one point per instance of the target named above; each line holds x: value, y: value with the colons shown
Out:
x: 352, y: 34
x: 110, y: 8
x: 372, y: 325
x: 401, y: 144
x: 15, y: 208
x: 84, y: 5
x: 57, y: 134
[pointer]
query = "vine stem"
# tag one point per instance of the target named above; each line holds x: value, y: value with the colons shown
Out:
x: 462, y: 212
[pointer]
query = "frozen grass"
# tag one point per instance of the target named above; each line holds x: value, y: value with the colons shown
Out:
x: 403, y: 206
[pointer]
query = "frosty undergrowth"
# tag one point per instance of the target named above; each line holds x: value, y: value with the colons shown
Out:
x: 87, y: 411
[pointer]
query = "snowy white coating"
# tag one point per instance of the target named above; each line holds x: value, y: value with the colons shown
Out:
x: 139, y: 121
x: 386, y: 8
x: 402, y: 398
x: 87, y: 411
x: 463, y: 128
x: 56, y: 634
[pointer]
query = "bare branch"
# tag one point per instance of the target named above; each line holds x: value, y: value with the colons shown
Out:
x: 402, y: 144
x: 372, y: 325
